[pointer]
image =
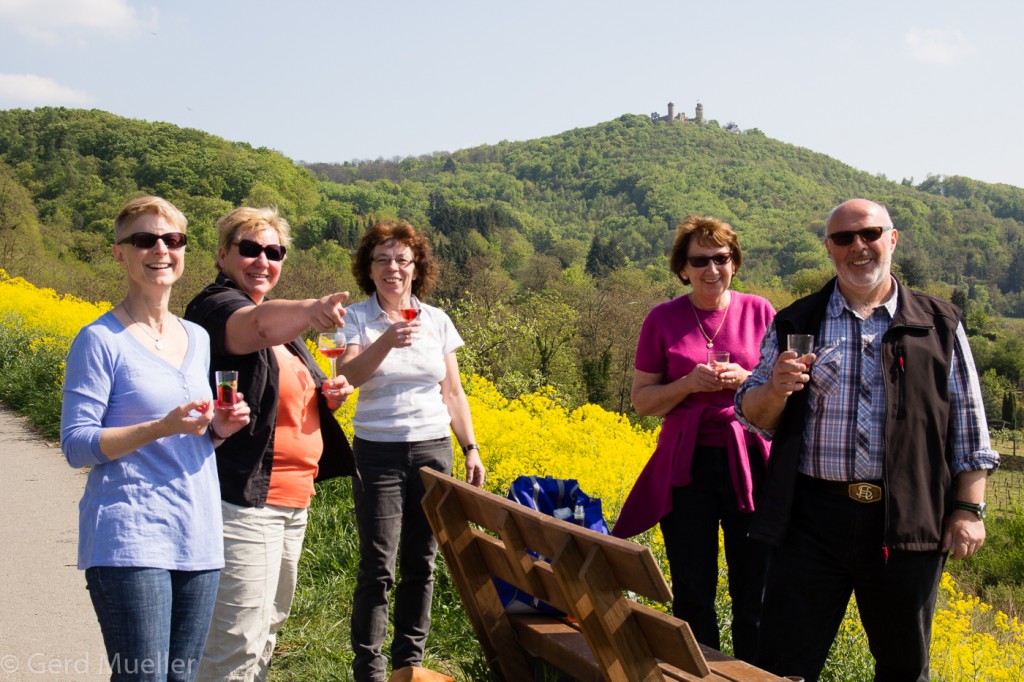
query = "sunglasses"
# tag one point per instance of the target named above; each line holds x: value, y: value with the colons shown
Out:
x: 251, y: 249
x: 147, y: 240
x: 702, y: 261
x: 868, y: 234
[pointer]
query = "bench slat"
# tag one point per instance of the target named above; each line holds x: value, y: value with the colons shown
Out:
x: 613, y: 639
x: 633, y: 565
x: 471, y: 578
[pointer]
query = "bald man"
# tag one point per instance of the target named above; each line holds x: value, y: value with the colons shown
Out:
x: 880, y: 454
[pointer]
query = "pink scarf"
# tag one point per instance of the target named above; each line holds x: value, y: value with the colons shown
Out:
x: 669, y: 467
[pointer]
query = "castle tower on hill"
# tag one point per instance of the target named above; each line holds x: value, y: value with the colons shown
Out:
x: 673, y: 116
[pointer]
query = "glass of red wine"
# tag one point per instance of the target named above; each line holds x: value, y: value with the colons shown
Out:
x: 227, y: 388
x: 332, y: 347
x: 409, y: 314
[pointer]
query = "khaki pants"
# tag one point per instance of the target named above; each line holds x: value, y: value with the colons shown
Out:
x: 261, y: 553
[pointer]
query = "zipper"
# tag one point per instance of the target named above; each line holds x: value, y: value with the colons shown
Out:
x: 901, y: 409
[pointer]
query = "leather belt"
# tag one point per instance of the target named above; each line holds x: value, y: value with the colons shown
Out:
x: 866, y: 492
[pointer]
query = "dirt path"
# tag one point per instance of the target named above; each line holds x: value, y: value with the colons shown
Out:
x: 48, y: 630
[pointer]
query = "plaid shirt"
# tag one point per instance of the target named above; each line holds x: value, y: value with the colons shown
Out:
x: 844, y: 436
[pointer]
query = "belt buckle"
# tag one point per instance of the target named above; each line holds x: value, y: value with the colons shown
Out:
x: 865, y: 493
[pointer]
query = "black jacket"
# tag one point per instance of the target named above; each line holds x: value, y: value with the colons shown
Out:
x: 919, y: 490
x: 245, y: 460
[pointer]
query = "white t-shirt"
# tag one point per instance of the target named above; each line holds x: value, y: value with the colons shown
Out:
x: 401, y: 402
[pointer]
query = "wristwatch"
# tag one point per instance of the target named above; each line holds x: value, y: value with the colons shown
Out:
x: 978, y: 509
x: 469, y: 446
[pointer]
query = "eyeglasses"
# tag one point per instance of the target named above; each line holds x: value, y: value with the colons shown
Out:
x: 868, y: 234
x: 702, y: 261
x: 147, y: 240
x: 251, y: 249
x: 384, y: 261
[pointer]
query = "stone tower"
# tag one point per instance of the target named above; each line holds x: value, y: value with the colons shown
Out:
x: 671, y: 111
x: 700, y: 113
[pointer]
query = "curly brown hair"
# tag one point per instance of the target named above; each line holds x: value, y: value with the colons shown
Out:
x: 404, y: 233
x: 709, y: 232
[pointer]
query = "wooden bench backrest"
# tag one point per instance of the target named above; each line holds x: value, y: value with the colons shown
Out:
x: 483, y: 535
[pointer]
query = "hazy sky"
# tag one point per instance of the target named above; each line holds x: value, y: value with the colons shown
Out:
x: 904, y: 88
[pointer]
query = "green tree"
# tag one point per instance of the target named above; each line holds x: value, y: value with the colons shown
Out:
x: 19, y: 229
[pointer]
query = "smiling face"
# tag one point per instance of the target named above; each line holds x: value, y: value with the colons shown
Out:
x: 255, y: 276
x: 157, y: 266
x: 862, y: 267
x: 711, y: 282
x: 392, y: 279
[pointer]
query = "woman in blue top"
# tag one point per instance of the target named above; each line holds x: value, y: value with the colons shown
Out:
x: 138, y: 410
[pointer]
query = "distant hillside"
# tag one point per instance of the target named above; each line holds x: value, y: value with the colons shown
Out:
x: 552, y: 250
x: 602, y: 198
x: 628, y: 181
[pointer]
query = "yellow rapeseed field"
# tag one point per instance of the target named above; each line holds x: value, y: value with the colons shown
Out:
x: 536, y: 434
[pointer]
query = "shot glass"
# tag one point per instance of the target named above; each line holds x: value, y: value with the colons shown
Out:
x: 718, y: 357
x: 801, y: 343
x: 227, y: 388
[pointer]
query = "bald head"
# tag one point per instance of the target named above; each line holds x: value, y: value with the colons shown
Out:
x: 855, y: 209
x: 860, y: 239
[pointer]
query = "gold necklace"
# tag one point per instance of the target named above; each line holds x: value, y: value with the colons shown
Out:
x: 157, y: 340
x: 710, y: 339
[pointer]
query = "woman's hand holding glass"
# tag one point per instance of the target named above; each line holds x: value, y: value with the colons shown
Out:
x: 194, y: 418
x: 227, y: 421
x: 402, y: 334
x: 336, y: 390
x: 704, y: 379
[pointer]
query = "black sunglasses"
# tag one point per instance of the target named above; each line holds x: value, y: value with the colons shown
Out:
x: 147, y: 240
x: 868, y: 234
x: 251, y: 249
x: 702, y: 261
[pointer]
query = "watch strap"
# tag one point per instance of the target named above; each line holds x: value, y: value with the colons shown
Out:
x: 978, y: 509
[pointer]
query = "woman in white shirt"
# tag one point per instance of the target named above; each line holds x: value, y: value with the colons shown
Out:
x: 401, y: 355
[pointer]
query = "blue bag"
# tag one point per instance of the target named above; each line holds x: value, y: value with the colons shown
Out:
x: 547, y: 495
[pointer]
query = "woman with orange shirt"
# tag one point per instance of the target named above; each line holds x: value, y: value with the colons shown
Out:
x: 266, y: 470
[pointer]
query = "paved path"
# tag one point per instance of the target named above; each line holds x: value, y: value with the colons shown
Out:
x: 48, y: 630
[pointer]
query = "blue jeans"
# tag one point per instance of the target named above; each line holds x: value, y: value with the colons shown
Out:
x: 388, y: 495
x: 154, y: 621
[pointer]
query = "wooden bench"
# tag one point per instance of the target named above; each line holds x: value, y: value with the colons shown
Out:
x: 608, y: 637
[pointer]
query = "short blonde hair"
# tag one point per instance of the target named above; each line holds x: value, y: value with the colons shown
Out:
x: 246, y: 219
x: 148, y: 204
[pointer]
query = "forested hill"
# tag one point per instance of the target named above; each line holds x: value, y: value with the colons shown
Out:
x: 617, y: 188
x: 553, y: 250
x: 611, y: 192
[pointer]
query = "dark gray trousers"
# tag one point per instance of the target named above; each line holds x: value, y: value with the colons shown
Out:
x: 388, y: 495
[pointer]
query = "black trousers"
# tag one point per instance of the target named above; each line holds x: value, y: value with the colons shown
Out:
x: 691, y: 543
x: 834, y: 548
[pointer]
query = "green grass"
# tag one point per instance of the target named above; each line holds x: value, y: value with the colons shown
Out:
x: 1005, y: 488
x: 314, y: 643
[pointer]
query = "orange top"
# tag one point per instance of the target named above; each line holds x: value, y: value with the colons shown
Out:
x: 297, y: 441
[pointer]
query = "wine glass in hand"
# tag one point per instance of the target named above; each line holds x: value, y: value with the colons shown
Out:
x: 332, y: 346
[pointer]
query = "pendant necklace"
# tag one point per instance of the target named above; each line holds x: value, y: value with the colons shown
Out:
x: 709, y: 339
x: 157, y: 341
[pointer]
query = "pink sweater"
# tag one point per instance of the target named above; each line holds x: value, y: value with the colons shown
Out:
x: 671, y: 344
